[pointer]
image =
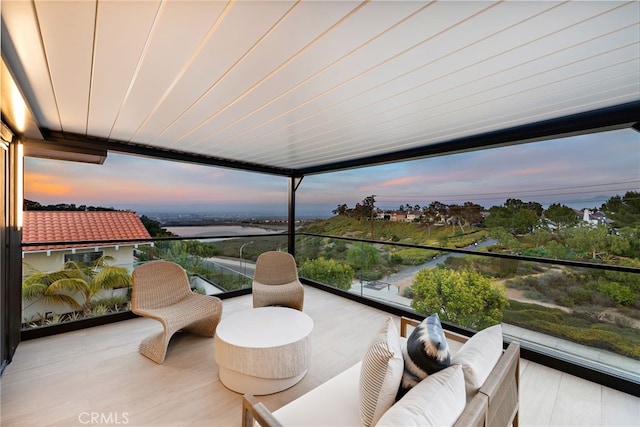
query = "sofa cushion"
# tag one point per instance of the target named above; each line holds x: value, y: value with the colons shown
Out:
x: 478, y: 356
x: 333, y: 403
x: 382, y: 368
x: 436, y: 401
x: 426, y: 352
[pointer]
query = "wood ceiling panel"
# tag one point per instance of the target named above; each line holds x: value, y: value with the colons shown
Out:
x: 479, y: 116
x: 348, y: 77
x: 122, y: 31
x: 369, y: 140
x: 299, y: 28
x: 294, y: 81
x: 20, y: 26
x: 449, y: 92
x: 175, y: 37
x: 67, y: 32
x: 228, y: 42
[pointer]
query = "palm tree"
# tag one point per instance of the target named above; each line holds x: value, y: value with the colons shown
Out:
x: 75, y: 278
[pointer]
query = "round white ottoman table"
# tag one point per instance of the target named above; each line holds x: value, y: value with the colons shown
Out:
x: 263, y: 350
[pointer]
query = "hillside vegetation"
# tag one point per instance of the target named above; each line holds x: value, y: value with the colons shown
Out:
x: 396, y: 232
x: 599, y: 308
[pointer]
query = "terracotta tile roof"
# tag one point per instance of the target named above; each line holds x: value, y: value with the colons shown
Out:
x: 63, y: 226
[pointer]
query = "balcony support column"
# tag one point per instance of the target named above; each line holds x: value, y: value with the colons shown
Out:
x: 294, y: 182
x: 12, y: 259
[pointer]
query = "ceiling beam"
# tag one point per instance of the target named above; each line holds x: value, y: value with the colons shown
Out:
x: 95, y: 143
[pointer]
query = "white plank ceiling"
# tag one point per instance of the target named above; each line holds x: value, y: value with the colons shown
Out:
x: 293, y: 85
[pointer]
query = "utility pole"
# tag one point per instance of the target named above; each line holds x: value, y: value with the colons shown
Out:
x: 373, y: 201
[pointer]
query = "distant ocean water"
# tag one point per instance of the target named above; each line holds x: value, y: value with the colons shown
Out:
x: 220, y: 230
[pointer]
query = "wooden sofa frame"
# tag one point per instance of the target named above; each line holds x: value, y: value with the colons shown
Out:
x: 495, y: 404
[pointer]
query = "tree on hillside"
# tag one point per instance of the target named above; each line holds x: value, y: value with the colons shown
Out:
x: 515, y: 215
x: 464, y: 297
x: 625, y: 210
x: 363, y: 256
x: 341, y: 210
x: 436, y: 211
x: 561, y: 216
x: 506, y: 239
x: 154, y: 228
x: 362, y: 210
x: 466, y: 215
x: 368, y: 206
x: 632, y: 235
x: 517, y: 204
x: 30, y: 205
x: 597, y: 241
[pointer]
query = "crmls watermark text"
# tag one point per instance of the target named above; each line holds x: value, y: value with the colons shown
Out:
x: 103, y: 418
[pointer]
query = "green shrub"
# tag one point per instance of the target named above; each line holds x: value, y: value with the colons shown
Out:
x: 328, y: 271
x: 621, y: 294
x: 408, y: 293
x: 415, y: 256
x: 563, y: 301
x: 580, y: 295
x: 464, y: 297
x: 533, y: 294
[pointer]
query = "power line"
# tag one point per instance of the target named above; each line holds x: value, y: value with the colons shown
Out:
x: 477, y: 195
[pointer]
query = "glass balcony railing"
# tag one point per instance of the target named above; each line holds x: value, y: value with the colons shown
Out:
x: 586, y: 313
x: 62, y: 285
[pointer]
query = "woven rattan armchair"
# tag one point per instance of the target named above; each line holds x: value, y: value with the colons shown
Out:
x: 275, y: 281
x: 161, y: 291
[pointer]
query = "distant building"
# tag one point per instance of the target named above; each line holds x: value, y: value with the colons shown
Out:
x: 413, y: 216
x: 595, y: 218
x: 399, y: 216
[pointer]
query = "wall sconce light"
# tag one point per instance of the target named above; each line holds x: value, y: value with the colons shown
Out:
x: 73, y: 250
x: 117, y: 247
x: 48, y: 253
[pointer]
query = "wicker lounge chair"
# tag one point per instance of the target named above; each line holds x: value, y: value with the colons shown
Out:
x: 161, y: 291
x: 275, y: 281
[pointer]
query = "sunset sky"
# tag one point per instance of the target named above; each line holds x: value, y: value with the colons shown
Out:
x: 580, y: 172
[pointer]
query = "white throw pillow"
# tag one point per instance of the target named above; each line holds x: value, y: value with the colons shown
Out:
x: 438, y: 400
x: 478, y: 356
x: 381, y: 372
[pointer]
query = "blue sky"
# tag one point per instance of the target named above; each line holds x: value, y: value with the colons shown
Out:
x: 580, y: 171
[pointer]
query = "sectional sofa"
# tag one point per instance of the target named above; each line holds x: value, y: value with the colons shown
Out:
x: 479, y: 388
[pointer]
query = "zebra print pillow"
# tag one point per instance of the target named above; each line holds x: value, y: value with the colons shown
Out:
x: 426, y: 352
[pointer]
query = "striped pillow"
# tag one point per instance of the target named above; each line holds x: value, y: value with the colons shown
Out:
x: 380, y: 375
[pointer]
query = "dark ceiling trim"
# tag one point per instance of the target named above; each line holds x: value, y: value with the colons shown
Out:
x: 609, y: 118
x: 71, y: 139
